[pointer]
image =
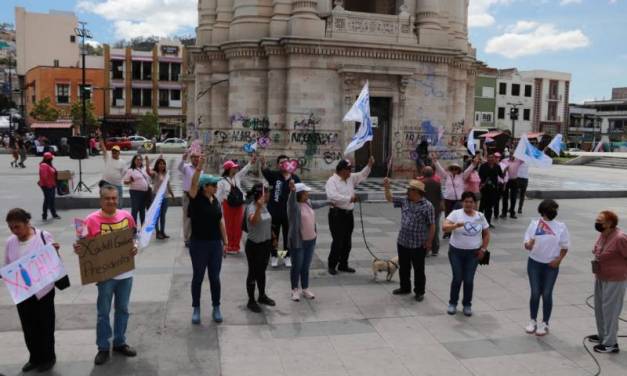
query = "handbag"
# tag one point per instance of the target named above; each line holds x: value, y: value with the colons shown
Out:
x: 486, y: 258
x: 63, y: 282
x: 235, y: 198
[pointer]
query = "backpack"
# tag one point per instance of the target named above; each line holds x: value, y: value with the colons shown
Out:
x: 235, y: 198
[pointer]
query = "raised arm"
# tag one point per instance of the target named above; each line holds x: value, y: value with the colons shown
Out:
x: 181, y: 166
x: 363, y: 174
x: 193, y: 190
x: 148, y: 170
x: 103, y: 147
x: 242, y: 173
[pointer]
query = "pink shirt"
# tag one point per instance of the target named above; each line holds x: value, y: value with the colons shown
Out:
x: 97, y: 223
x: 307, y: 221
x: 16, y: 249
x: 514, y: 165
x: 473, y: 182
x: 47, y: 176
x: 453, y: 184
x: 140, y: 179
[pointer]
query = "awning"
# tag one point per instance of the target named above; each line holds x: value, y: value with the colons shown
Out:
x: 491, y: 134
x: 52, y: 125
x: 537, y: 135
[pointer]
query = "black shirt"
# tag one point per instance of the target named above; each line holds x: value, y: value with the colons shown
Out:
x: 490, y: 175
x: 279, y: 191
x: 205, y: 217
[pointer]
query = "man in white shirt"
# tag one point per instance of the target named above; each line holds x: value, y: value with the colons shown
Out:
x: 340, y: 189
x: 187, y: 172
x: 114, y: 169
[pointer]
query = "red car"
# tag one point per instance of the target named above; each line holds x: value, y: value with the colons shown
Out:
x: 122, y: 142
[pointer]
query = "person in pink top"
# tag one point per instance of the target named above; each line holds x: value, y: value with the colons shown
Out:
x: 139, y: 183
x: 472, y: 181
x: 511, y: 187
x: 453, y: 179
x: 48, y: 183
x: 36, y: 313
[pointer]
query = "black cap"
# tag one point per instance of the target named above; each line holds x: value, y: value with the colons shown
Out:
x: 344, y: 164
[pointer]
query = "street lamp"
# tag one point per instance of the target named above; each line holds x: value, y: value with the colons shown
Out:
x: 513, y: 114
x: 83, y: 33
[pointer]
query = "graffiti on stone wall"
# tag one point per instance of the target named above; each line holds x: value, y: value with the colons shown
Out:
x: 429, y: 85
x: 307, y: 124
x: 445, y: 143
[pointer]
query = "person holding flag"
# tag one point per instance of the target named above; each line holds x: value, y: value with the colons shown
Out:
x: 547, y: 241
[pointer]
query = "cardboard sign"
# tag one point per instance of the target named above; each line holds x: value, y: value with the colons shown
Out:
x: 32, y: 272
x: 106, y: 256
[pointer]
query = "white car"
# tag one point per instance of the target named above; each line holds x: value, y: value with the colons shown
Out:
x: 172, y: 145
x: 138, y: 142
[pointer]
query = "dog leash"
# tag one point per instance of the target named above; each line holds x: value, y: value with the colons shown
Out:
x: 363, y: 231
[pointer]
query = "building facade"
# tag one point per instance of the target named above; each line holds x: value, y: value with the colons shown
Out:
x: 604, y: 120
x: 514, y: 90
x: 485, y: 98
x: 283, y: 73
x: 145, y: 81
x: 550, y: 101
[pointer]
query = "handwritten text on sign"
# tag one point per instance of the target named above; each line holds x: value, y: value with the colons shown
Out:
x: 32, y: 272
x: 106, y: 256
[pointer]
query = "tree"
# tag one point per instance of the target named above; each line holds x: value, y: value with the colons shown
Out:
x: 148, y: 125
x: 43, y: 111
x: 76, y: 114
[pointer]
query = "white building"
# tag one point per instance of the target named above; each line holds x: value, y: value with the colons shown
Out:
x: 550, y: 100
x: 514, y: 89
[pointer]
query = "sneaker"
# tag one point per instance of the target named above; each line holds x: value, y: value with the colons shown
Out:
x: 125, y: 350
x: 467, y: 311
x: 159, y: 236
x: 196, y: 316
x: 288, y: 262
x: 332, y: 271
x: 47, y: 366
x: 56, y: 216
x: 420, y: 298
x: 452, y: 309
x: 165, y: 236
x: 295, y: 295
x: 28, y: 367
x: 265, y: 300
x: 101, y: 358
x: 253, y: 306
x: 274, y: 261
x: 594, y: 338
x: 400, y: 291
x: 216, y: 314
x: 346, y: 269
x: 542, y: 329
x: 600, y: 348
x: 308, y: 294
x: 513, y: 216
x: 519, y: 211
x: 503, y: 216
x: 531, y: 327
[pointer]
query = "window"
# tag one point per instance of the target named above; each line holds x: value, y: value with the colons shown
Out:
x: 477, y: 117
x: 528, y: 89
x: 487, y: 92
x: 552, y: 115
x: 553, y: 89
x: 372, y: 6
x: 63, y: 94
x: 164, y: 71
x: 501, y: 114
x: 164, y: 98
x: 117, y: 69
x: 72, y: 38
x: 503, y: 88
x: 137, y: 70
x: 136, y: 97
x: 146, y: 97
x: 118, y: 97
x: 146, y: 71
x: 56, y: 63
x: 516, y: 90
x: 526, y: 114
x: 176, y: 71
x: 87, y: 91
x: 486, y: 117
x: 175, y: 95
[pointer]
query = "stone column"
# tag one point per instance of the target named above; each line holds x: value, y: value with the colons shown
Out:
x: 304, y: 20
x: 281, y: 10
x: 277, y: 92
x: 251, y: 19
x: 457, y: 9
x: 206, y: 20
x: 224, y: 15
x: 428, y: 24
x: 202, y: 95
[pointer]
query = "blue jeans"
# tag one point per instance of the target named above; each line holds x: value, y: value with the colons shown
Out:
x: 49, y: 197
x: 542, y: 278
x: 138, y: 205
x: 464, y: 265
x: 160, y: 227
x: 206, y: 256
x: 301, y: 260
x: 121, y: 288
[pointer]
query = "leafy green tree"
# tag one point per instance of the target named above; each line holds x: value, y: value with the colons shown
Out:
x: 76, y: 115
x: 148, y: 125
x: 43, y: 111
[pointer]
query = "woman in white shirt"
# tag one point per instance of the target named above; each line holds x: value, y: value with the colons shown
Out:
x: 231, y: 195
x: 547, y: 241
x: 470, y: 237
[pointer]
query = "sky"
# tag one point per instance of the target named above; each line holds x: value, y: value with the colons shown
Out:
x: 583, y: 37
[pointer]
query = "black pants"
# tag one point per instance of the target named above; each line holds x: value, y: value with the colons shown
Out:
x: 408, y: 257
x: 501, y: 194
x: 37, y: 318
x: 511, y: 194
x: 522, y: 184
x: 257, y: 255
x: 49, y: 197
x: 138, y: 205
x: 489, y: 199
x: 279, y: 222
x: 341, y: 223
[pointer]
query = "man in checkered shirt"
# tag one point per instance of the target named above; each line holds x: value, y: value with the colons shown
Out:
x: 415, y: 238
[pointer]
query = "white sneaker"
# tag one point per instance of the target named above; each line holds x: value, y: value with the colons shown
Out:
x: 543, y: 329
x: 288, y: 262
x: 274, y: 261
x: 531, y: 328
x: 308, y: 294
x: 295, y: 295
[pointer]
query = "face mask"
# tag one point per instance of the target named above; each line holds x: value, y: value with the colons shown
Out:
x: 599, y: 227
x: 551, y: 214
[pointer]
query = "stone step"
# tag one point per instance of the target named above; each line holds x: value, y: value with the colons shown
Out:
x: 609, y: 162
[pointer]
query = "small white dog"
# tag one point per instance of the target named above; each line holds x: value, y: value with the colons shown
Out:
x: 389, y: 266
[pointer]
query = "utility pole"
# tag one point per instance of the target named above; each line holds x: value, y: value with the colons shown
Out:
x: 513, y: 114
x: 83, y: 33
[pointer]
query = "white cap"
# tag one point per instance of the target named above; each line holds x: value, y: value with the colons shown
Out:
x: 300, y: 187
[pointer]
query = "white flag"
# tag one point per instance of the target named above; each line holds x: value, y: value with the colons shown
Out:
x: 152, y: 216
x: 556, y: 144
x: 599, y: 147
x: 530, y: 154
x: 360, y: 112
x: 470, y: 144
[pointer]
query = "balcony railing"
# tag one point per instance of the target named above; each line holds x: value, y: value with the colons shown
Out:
x: 371, y: 27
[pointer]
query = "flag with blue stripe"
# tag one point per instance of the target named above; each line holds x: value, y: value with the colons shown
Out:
x: 360, y: 112
x: 152, y: 216
x: 556, y: 144
x: 531, y: 155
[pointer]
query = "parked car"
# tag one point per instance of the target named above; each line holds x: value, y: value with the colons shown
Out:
x: 137, y: 142
x: 123, y: 142
x: 172, y: 144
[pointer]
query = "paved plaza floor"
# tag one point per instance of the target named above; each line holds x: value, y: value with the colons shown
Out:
x: 355, y: 326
